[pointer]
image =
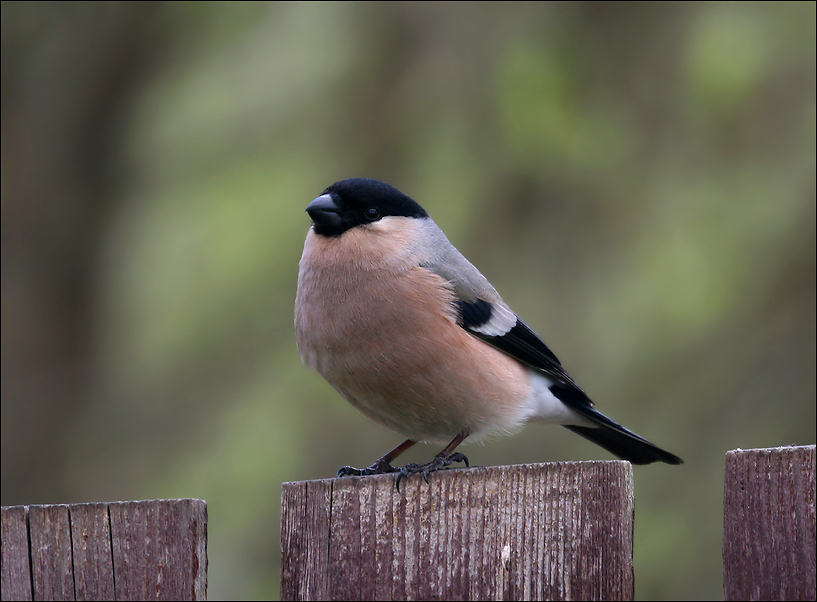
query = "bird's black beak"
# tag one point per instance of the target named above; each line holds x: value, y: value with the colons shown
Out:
x: 324, y: 212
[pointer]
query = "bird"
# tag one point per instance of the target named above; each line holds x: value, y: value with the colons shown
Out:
x: 410, y: 333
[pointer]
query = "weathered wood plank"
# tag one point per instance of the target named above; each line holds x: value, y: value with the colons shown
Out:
x: 51, y: 558
x: 93, y: 557
x: 769, y: 524
x: 151, y: 550
x: 160, y: 549
x: 16, y: 565
x: 557, y: 531
x: 305, y: 508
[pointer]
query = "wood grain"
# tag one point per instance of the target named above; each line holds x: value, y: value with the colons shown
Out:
x: 91, y: 544
x: 560, y: 531
x: 16, y: 562
x: 769, y: 524
x: 51, y: 565
x: 148, y: 550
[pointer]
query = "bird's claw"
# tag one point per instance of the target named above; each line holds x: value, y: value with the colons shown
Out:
x: 379, y: 467
x: 438, y: 463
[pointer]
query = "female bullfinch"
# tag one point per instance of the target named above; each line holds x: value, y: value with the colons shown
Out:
x: 409, y: 332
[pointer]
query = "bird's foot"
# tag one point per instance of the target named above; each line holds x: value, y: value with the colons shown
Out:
x: 381, y: 466
x: 438, y: 463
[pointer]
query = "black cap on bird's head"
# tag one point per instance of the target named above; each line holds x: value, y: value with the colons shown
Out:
x: 359, y: 201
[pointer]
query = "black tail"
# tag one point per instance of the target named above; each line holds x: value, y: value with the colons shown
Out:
x: 625, y: 444
x: 611, y: 436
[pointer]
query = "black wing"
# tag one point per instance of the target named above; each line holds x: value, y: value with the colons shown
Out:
x: 520, y: 342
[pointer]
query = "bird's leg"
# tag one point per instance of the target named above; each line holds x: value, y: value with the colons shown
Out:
x: 442, y: 460
x: 381, y: 466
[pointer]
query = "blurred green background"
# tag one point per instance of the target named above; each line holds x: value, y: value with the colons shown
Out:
x: 637, y: 180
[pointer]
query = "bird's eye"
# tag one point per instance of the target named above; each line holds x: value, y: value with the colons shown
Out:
x: 371, y: 214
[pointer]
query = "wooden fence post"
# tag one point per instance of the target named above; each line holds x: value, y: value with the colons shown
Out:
x: 556, y: 531
x: 150, y: 550
x: 769, y: 524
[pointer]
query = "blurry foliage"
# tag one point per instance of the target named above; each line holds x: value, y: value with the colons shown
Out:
x: 638, y: 180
